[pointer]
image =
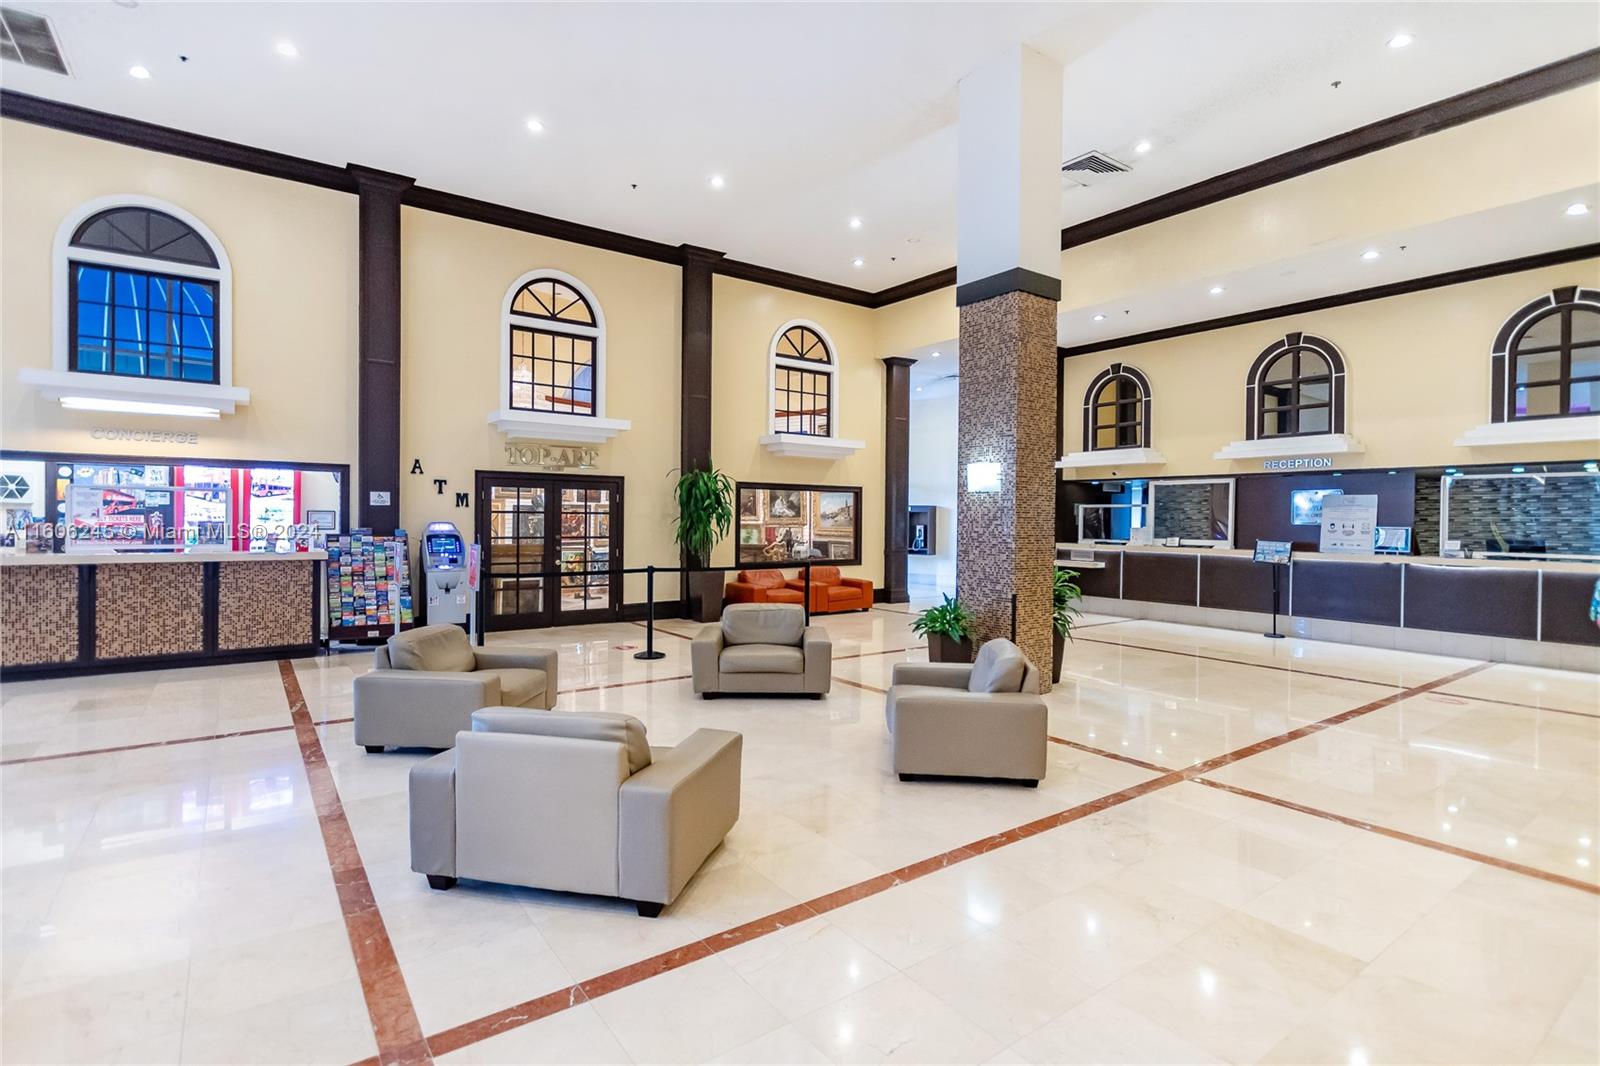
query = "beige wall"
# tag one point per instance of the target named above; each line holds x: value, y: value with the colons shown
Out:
x: 293, y: 250
x: 1417, y: 377
x: 744, y: 318
x: 454, y: 282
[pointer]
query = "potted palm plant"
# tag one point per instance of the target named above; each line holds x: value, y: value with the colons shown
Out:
x: 948, y: 628
x: 1064, y: 612
x: 705, y: 514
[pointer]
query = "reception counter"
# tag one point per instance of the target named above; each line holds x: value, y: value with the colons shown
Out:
x: 1514, y: 609
x: 66, y: 613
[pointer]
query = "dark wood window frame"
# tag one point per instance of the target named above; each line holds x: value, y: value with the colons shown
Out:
x: 535, y: 325
x: 1258, y: 388
x: 815, y: 378
x: 176, y: 352
x: 761, y: 486
x: 1508, y: 352
x: 1111, y: 376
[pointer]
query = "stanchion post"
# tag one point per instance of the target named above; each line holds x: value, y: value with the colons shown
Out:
x: 650, y: 618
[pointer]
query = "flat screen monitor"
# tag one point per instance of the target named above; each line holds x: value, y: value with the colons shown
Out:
x: 1305, y: 505
x: 1395, y: 540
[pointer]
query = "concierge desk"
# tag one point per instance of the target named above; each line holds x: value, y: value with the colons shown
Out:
x: 75, y: 612
x: 1539, y: 611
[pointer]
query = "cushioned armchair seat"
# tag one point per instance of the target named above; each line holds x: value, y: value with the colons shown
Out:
x: 426, y: 682
x: 979, y: 720
x: 574, y: 802
x: 762, y: 647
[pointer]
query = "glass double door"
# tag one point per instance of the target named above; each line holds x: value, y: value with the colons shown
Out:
x: 546, y: 538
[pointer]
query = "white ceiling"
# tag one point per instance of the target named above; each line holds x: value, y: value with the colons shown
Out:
x: 814, y: 112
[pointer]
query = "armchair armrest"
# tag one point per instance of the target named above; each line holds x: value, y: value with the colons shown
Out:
x: 675, y: 812
x: 419, y: 708
x: 858, y: 583
x: 818, y: 649
x: 739, y: 592
x: 433, y: 815
x: 705, y: 654
x: 944, y: 675
x: 798, y: 584
x: 970, y: 734
x: 546, y: 659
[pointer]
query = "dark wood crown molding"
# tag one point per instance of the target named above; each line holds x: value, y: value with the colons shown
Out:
x: 1323, y: 303
x: 782, y: 279
x: 474, y: 210
x: 1465, y: 107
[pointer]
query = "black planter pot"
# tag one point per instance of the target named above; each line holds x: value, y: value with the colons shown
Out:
x: 943, y: 649
x: 1058, y: 654
x: 705, y: 597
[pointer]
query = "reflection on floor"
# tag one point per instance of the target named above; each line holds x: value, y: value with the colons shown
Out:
x: 1245, y: 850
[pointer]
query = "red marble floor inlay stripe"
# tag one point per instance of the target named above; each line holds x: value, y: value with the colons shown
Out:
x: 863, y: 685
x: 165, y: 743
x: 626, y: 684
x: 394, y: 1018
x: 1514, y: 703
x: 1118, y: 756
x: 1239, y: 662
x: 663, y: 629
x: 1409, y: 838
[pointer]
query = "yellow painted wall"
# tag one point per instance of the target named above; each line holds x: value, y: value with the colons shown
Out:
x: 454, y: 281
x: 1417, y: 377
x: 293, y: 250
x: 744, y: 318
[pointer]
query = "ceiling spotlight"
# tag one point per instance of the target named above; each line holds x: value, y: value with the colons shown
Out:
x: 935, y: 355
x: 1217, y: 290
x: 1370, y: 254
x: 1099, y: 318
x: 919, y: 388
x: 855, y: 223
x: 1400, y: 40
x: 858, y: 262
x: 717, y: 181
x: 287, y: 50
x: 1142, y: 147
x: 139, y: 72
x: 1577, y: 209
x: 534, y: 126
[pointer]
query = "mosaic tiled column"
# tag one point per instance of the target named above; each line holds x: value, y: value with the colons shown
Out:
x: 1005, y: 541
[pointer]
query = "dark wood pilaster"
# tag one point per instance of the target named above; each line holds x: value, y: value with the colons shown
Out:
x: 694, y: 421
x: 378, y: 255
x: 896, y: 476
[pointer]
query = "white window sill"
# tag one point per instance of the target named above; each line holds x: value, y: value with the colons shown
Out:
x: 1111, y: 457
x: 562, y: 429
x: 798, y: 445
x: 1274, y: 447
x: 1532, y: 431
x: 139, y: 395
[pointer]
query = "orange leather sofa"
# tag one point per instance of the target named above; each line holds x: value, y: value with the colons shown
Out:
x: 830, y: 592
x: 761, y: 586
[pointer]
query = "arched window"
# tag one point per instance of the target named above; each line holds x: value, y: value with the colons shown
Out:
x: 146, y: 290
x: 1296, y: 389
x: 803, y: 369
x: 1116, y: 410
x: 1547, y: 358
x: 554, y: 336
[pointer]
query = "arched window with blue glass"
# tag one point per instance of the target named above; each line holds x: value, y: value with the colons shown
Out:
x: 145, y: 291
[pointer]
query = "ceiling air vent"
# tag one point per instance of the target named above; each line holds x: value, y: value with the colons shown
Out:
x: 1091, y: 168
x: 26, y: 38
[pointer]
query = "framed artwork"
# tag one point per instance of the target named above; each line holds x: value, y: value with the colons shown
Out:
x: 572, y: 523
x: 794, y: 523
x: 322, y: 520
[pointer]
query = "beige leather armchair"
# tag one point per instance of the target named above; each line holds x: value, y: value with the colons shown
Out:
x: 762, y: 647
x: 979, y: 720
x: 574, y: 802
x: 426, y: 682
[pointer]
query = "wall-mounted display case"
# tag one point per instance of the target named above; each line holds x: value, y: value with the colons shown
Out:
x: 799, y: 523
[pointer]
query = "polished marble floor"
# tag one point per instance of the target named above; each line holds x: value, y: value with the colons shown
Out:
x: 1245, y: 850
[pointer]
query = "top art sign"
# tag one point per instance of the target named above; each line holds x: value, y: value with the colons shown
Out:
x: 552, y: 456
x: 1311, y: 462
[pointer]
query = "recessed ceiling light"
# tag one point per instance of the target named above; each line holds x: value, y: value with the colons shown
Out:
x: 287, y: 50
x: 858, y: 262
x: 1142, y: 147
x: 534, y: 125
x: 1579, y: 208
x: 855, y: 223
x: 919, y: 388
x: 935, y: 355
x: 139, y: 72
x: 717, y: 181
x: 1099, y: 318
x: 1370, y: 254
x: 1400, y: 40
x: 1217, y: 290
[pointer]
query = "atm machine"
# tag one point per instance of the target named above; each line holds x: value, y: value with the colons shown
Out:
x: 444, y: 569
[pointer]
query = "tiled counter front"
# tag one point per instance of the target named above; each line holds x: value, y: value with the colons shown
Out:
x: 66, y: 614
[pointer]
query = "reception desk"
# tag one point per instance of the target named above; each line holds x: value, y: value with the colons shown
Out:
x: 1512, y: 610
x: 69, y: 613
